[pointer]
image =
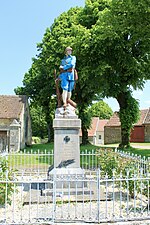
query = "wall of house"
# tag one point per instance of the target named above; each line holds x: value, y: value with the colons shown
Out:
x: 11, y: 139
x: 22, y: 130
x: 137, y: 134
x: 100, y: 137
x: 5, y: 133
x: 26, y: 131
x: 14, y: 145
x: 147, y: 133
x: 112, y: 135
x: 3, y: 140
x: 90, y: 139
x: 5, y: 123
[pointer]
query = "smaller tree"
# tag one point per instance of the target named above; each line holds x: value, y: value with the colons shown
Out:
x: 39, y: 126
x: 101, y: 110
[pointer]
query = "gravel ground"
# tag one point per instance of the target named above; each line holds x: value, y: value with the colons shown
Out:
x: 68, y: 213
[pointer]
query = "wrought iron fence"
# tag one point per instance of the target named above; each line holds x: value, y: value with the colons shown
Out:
x: 84, y: 197
x: 28, y: 162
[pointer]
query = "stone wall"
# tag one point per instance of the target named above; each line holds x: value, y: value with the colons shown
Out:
x: 5, y: 123
x: 147, y: 133
x: 18, y: 132
x: 14, y: 136
x: 3, y: 140
x: 112, y: 135
x: 26, y: 131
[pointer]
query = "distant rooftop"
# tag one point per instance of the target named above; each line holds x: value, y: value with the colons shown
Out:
x: 144, y: 118
x: 11, y: 106
x: 96, y: 125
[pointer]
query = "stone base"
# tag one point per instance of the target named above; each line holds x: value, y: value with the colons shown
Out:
x: 66, y: 142
x: 67, y: 178
x: 68, y: 113
x: 74, y: 188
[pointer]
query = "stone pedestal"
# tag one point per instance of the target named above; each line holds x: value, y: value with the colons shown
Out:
x: 66, y: 171
x: 66, y: 142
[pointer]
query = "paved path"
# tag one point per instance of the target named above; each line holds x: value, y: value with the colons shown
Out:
x: 146, y: 222
x: 132, y: 144
x: 140, y: 146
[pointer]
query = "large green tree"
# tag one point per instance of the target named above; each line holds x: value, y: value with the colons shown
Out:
x: 111, y: 41
x: 37, y: 86
x: 118, y: 51
x: 39, y: 81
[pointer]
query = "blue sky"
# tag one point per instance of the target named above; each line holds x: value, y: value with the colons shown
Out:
x: 22, y: 26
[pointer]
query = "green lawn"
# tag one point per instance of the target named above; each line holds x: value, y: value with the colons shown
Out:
x: 142, y: 149
x: 29, y: 158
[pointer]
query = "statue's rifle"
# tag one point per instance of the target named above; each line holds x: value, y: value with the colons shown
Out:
x: 57, y: 90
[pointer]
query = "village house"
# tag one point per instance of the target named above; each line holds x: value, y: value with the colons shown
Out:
x: 139, y: 133
x: 96, y: 131
x: 15, y: 123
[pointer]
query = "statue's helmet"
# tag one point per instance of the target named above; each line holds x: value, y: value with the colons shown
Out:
x: 68, y: 48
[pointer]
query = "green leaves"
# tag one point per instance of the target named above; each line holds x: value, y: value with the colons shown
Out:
x: 111, y: 40
x: 101, y: 110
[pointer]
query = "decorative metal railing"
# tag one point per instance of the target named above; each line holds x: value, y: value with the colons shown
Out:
x: 84, y: 197
x: 29, y: 196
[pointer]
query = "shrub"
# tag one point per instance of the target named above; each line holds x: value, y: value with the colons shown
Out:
x: 36, y: 140
x: 6, y: 188
x: 111, y: 162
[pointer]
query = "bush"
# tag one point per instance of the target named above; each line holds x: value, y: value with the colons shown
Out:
x: 126, y: 168
x: 6, y: 189
x: 36, y: 140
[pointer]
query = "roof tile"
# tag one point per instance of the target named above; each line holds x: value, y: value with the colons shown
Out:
x: 94, y: 124
x: 147, y: 119
x: 11, y: 105
x: 144, y: 118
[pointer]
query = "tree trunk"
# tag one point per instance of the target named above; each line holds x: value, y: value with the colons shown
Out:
x: 84, y: 136
x: 50, y: 132
x: 125, y: 136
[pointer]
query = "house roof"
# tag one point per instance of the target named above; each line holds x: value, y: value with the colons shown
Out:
x: 147, y: 118
x: 114, y: 120
x: 143, y: 115
x: 11, y: 106
x: 101, y: 125
x: 144, y: 118
x: 96, y: 125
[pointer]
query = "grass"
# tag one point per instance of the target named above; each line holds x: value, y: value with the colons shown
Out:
x: 32, y: 159
x: 40, y: 147
x: 142, y: 149
x: 29, y: 158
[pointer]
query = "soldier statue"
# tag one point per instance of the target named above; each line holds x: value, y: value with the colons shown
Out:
x: 67, y: 76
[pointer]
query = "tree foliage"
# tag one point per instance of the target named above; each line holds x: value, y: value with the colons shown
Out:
x: 39, y: 126
x: 118, y: 52
x: 101, y: 109
x: 111, y: 41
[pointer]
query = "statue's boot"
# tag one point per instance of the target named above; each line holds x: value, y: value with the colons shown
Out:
x: 64, y: 106
x: 72, y: 103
